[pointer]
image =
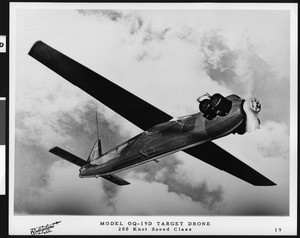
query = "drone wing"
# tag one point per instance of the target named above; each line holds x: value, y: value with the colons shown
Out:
x: 136, y: 110
x: 129, y: 106
x: 214, y: 155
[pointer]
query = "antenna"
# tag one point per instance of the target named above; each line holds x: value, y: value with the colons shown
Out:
x: 97, y: 126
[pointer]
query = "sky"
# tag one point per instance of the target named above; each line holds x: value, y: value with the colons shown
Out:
x: 168, y: 58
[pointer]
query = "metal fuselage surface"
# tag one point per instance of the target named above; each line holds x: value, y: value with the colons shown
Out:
x: 166, y: 138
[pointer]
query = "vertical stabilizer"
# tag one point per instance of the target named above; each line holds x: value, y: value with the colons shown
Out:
x: 96, y: 151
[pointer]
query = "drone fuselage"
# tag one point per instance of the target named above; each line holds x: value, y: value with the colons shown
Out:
x: 166, y: 138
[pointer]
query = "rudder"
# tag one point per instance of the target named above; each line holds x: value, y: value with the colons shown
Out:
x: 96, y: 151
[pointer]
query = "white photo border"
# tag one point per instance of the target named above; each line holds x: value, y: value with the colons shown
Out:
x: 218, y: 225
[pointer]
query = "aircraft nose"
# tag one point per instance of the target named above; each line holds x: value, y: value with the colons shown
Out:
x: 252, y: 107
x: 224, y: 125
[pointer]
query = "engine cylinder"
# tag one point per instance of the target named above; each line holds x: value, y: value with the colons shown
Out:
x: 215, y: 105
x: 207, y: 109
x: 220, y: 104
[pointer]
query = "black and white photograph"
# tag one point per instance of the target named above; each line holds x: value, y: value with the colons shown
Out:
x: 153, y: 119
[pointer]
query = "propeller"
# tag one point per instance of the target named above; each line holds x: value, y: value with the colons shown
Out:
x: 251, y: 108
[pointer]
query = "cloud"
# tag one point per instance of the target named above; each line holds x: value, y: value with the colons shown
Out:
x: 229, y: 67
x: 170, y: 172
x: 68, y: 194
x: 245, y: 73
x: 153, y: 200
x: 188, y: 34
x: 270, y: 141
x: 154, y: 35
x: 200, y: 193
x: 130, y: 19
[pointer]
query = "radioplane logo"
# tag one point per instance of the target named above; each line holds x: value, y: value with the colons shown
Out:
x: 42, y: 230
x: 2, y: 44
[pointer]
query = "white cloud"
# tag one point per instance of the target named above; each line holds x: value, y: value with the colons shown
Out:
x: 153, y: 200
x: 262, y: 142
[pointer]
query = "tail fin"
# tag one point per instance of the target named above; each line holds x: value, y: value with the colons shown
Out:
x: 96, y: 151
x: 68, y: 156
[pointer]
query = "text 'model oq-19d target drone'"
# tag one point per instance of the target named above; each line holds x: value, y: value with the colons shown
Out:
x: 162, y: 134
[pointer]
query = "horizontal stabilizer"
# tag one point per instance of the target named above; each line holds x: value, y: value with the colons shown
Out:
x: 115, y: 179
x: 68, y: 156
